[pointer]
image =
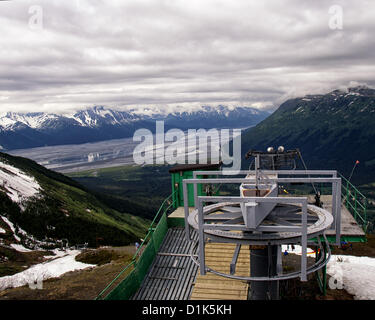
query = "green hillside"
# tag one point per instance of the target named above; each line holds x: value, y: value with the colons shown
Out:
x: 66, y: 210
x: 138, y: 190
x: 332, y: 131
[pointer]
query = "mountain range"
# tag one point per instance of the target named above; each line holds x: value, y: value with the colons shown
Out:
x: 28, y: 130
x: 332, y: 130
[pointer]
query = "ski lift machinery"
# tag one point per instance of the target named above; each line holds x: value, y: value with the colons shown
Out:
x: 263, y: 220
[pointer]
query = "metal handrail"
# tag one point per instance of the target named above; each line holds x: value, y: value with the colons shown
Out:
x: 134, y: 258
x: 150, y: 229
x: 350, y: 197
x: 111, y: 283
x: 348, y: 182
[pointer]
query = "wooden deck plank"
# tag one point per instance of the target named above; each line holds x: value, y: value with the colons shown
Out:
x: 229, y: 286
x: 214, y: 287
x: 217, y: 296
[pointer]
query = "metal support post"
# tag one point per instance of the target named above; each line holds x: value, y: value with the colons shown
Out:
x: 338, y: 212
x: 186, y: 210
x: 202, y: 264
x: 304, y: 242
x: 263, y: 263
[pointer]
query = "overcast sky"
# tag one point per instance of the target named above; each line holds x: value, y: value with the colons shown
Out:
x: 67, y: 55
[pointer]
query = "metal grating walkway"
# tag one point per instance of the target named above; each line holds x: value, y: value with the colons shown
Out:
x: 172, y: 272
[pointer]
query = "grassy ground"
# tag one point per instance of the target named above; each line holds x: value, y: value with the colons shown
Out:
x: 366, y: 249
x: 87, y: 284
x: 297, y: 290
x: 78, y: 285
x: 18, y: 261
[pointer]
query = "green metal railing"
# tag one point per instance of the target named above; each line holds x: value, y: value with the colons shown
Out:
x: 355, y: 202
x: 165, y: 206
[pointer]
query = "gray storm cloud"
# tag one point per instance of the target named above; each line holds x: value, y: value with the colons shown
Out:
x: 176, y: 53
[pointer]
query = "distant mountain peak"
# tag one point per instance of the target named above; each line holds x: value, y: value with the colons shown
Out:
x: 362, y: 89
x: 359, y: 90
x: 99, y: 123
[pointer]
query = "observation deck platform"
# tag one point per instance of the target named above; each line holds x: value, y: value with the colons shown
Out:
x: 174, y: 276
x: 350, y: 230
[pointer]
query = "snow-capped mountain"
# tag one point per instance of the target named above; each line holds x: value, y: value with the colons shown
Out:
x: 98, y: 116
x: 216, y: 117
x: 93, y: 117
x: 26, y: 130
x: 13, y: 120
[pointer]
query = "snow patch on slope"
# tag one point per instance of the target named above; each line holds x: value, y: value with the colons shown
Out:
x: 28, y: 240
x: 44, y: 271
x: 357, y: 274
x: 20, y: 248
x: 17, y: 184
x: 11, y: 226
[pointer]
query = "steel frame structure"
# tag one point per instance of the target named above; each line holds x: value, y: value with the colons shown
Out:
x: 204, y: 228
